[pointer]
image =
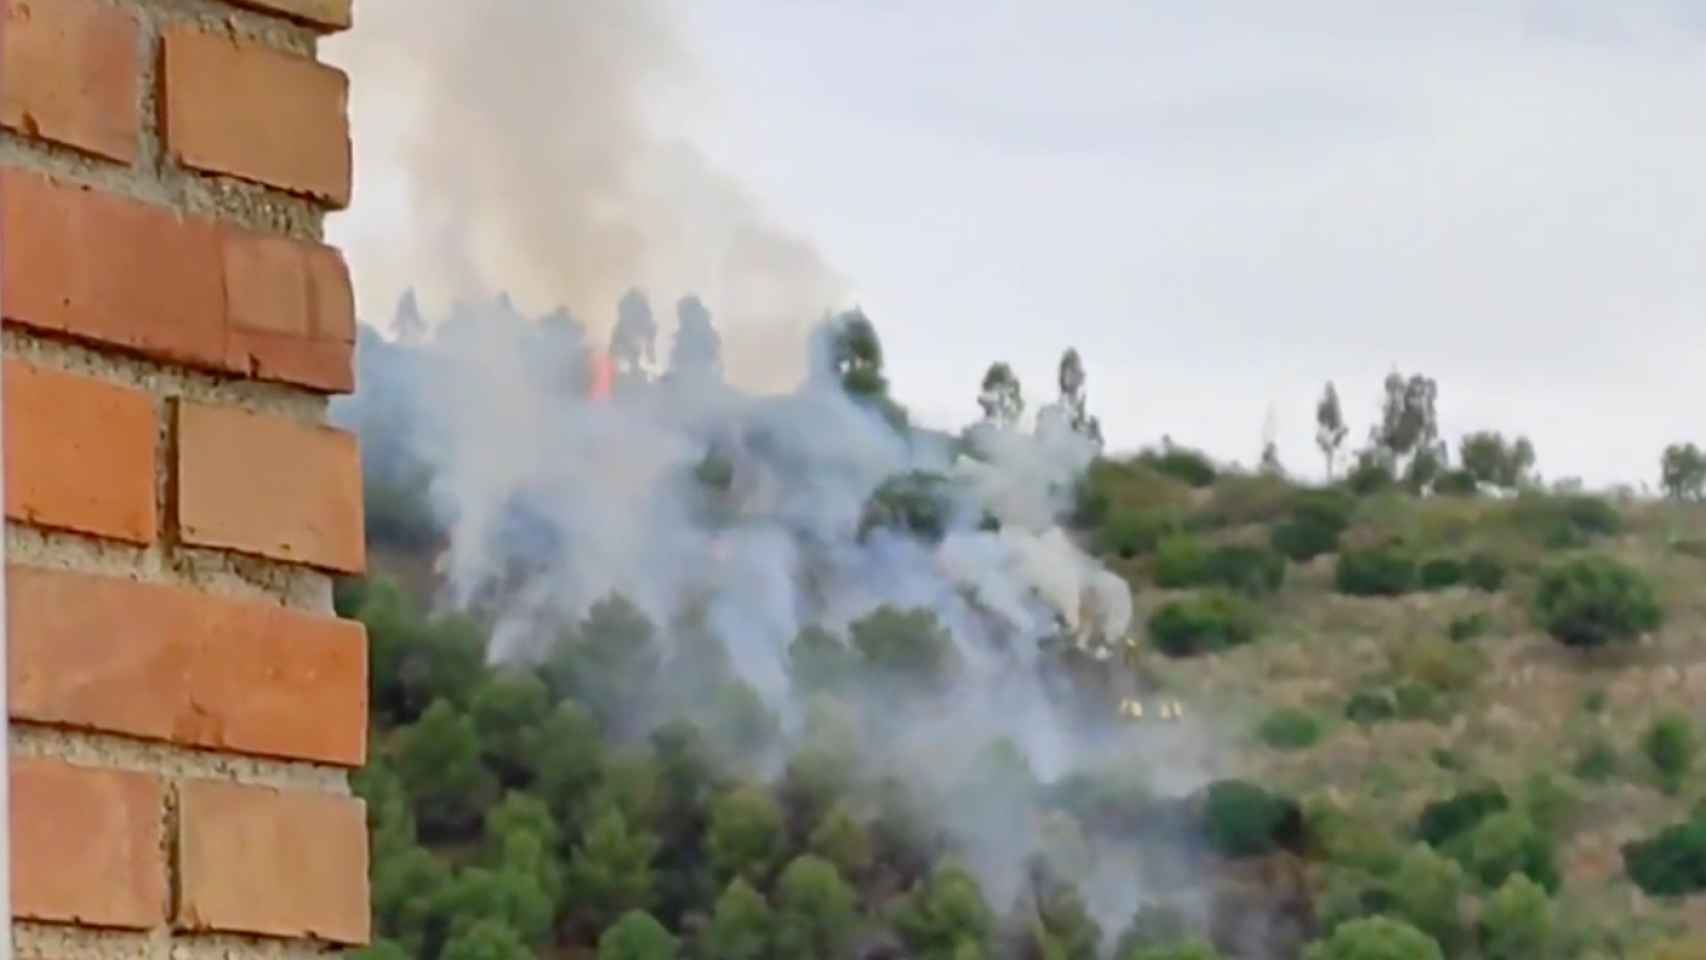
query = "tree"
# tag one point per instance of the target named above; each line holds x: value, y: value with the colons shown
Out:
x: 1494, y: 461
x: 1375, y: 938
x: 842, y: 840
x: 1002, y: 399
x: 438, y: 759
x: 1682, y: 472
x: 1409, y: 423
x: 945, y: 913
x: 488, y: 939
x: 819, y: 661
x: 697, y: 352
x: 610, y: 871
x: 1074, y: 401
x: 406, y: 883
x: 746, y: 837
x: 908, y: 648
x: 1051, y: 920
x: 1504, y: 844
x: 1516, y: 923
x: 1330, y: 429
x: 508, y: 711
x: 508, y: 896
x: 568, y: 761
x: 1427, y: 889
x: 740, y: 926
x: 636, y: 936
x: 633, y: 341
x: 814, y: 910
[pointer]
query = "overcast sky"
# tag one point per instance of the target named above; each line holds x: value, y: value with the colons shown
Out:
x: 1221, y: 204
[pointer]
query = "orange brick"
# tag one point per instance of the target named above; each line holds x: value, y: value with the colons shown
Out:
x: 79, y: 454
x: 98, y: 267
x: 331, y: 14
x: 87, y: 845
x: 165, y: 663
x: 266, y: 486
x: 257, y: 113
x: 292, y: 311
x: 274, y: 863
x: 68, y: 73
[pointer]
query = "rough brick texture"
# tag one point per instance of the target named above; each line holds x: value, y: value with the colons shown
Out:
x: 68, y: 74
x: 79, y: 454
x: 222, y: 674
x: 326, y: 14
x: 263, y: 485
x: 256, y: 113
x: 180, y: 289
x: 279, y: 863
x: 173, y: 653
x: 87, y: 845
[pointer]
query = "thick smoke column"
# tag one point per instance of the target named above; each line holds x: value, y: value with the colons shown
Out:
x: 507, y: 144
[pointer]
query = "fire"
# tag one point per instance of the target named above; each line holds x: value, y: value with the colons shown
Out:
x: 602, y: 372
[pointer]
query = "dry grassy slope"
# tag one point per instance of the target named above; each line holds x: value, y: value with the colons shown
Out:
x: 1518, y: 702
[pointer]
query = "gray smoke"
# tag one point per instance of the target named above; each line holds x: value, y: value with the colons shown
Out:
x: 552, y: 501
x: 505, y: 146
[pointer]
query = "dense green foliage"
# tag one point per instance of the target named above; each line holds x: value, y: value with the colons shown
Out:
x: 1593, y: 601
x: 1205, y: 623
x: 1386, y: 571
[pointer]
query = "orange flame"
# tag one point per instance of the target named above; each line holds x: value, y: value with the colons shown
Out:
x: 602, y: 373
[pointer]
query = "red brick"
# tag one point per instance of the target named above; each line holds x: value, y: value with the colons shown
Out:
x: 270, y: 487
x: 68, y: 73
x: 99, y: 267
x: 79, y: 454
x: 164, y: 663
x: 329, y: 14
x: 87, y: 845
x: 184, y: 290
x: 274, y: 863
x: 257, y: 113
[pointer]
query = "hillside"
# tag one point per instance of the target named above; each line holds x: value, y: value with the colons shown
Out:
x: 668, y: 671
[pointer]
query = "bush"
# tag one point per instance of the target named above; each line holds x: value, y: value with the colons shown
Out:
x: 1468, y: 626
x: 1181, y: 560
x: 1594, y: 601
x: 1188, y: 466
x: 1289, y: 728
x: 1415, y: 701
x: 1565, y: 522
x: 1133, y: 533
x: 1244, y: 820
x: 1597, y: 762
x: 1484, y: 571
x: 1367, y: 707
x: 1387, y: 571
x: 1441, y: 573
x: 1375, y: 938
x: 1456, y: 483
x: 1444, y: 820
x: 1670, y: 863
x: 1317, y: 520
x: 1370, y: 476
x: 1671, y: 745
x: 1505, y: 844
x: 1207, y: 623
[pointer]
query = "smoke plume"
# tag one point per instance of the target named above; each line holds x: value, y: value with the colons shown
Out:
x: 506, y: 146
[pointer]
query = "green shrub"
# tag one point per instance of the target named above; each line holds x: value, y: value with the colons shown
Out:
x: 1181, y: 560
x: 1416, y: 701
x: 1133, y: 533
x: 1441, y: 573
x: 1206, y: 623
x: 1564, y: 522
x: 1504, y: 844
x: 1597, y: 762
x: 1246, y: 569
x: 1244, y: 820
x: 1367, y: 707
x: 1448, y: 759
x: 1484, y: 571
x: 1318, y: 518
x: 1443, y: 820
x: 1456, y: 483
x: 1192, y: 467
x: 1289, y: 728
x: 1370, y: 476
x: 1670, y: 863
x: 1594, y: 701
x: 1387, y: 571
x: 1593, y: 601
x: 1468, y: 626
x: 1670, y: 744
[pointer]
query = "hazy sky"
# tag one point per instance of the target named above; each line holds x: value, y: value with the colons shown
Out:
x: 1221, y: 204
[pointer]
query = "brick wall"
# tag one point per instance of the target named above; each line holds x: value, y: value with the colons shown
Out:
x: 185, y: 706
